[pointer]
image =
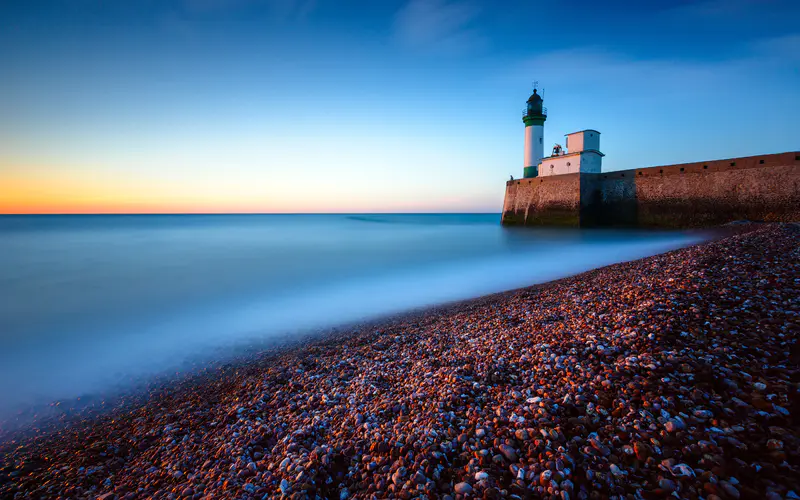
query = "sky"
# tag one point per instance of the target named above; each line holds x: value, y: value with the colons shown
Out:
x: 292, y: 106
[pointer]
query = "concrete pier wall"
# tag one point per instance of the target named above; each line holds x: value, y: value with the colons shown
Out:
x: 543, y: 201
x: 765, y: 187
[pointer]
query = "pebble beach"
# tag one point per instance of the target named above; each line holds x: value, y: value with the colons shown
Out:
x: 675, y: 375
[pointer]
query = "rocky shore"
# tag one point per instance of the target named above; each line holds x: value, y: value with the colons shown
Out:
x: 676, y: 375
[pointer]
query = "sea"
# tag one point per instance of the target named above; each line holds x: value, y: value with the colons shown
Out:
x: 90, y: 303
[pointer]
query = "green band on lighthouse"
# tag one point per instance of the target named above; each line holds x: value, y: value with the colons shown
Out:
x: 534, y: 120
x: 529, y: 172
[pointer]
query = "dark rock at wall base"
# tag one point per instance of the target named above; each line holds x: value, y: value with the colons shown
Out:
x: 513, y: 218
x: 550, y: 218
x: 705, y: 213
x: 554, y: 217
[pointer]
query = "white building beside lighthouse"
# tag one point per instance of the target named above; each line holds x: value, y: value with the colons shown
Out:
x: 582, y: 153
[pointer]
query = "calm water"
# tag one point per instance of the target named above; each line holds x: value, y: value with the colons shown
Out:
x: 89, y: 302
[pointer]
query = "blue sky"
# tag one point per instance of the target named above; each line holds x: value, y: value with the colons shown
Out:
x: 413, y: 105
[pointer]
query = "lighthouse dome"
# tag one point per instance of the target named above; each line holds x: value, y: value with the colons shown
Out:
x: 534, y: 107
x: 535, y: 97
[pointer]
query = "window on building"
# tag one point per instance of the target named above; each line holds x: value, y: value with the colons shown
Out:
x: 540, y: 140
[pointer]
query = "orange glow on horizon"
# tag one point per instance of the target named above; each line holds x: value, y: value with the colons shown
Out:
x: 24, y: 192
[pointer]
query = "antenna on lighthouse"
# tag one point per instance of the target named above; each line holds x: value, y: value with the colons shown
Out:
x: 535, y: 84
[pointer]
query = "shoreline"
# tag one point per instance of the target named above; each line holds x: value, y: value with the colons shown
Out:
x: 50, y: 414
x: 74, y: 329
x: 360, y: 425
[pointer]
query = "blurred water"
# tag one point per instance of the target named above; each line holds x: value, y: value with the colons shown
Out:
x: 89, y: 302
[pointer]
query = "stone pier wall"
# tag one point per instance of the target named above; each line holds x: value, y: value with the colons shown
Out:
x: 698, y: 194
x: 543, y: 201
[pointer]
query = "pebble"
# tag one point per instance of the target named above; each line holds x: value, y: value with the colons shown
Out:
x: 508, y: 452
x: 642, y: 450
x: 682, y: 470
x: 463, y: 489
x: 774, y: 444
x: 674, y: 425
x: 729, y: 489
x: 667, y: 485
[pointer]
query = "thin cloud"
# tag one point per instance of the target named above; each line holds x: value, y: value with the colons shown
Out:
x: 205, y: 6
x: 598, y: 66
x: 782, y: 48
x: 716, y: 9
x: 281, y: 9
x: 731, y: 14
x: 291, y: 9
x: 665, y: 77
x: 438, y: 25
x: 186, y: 20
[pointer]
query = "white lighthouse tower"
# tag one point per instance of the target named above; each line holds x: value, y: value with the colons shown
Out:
x: 534, y: 116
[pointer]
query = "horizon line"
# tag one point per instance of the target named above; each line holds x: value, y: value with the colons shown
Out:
x: 246, y: 213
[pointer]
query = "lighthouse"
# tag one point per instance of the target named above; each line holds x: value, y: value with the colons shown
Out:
x: 534, y: 116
